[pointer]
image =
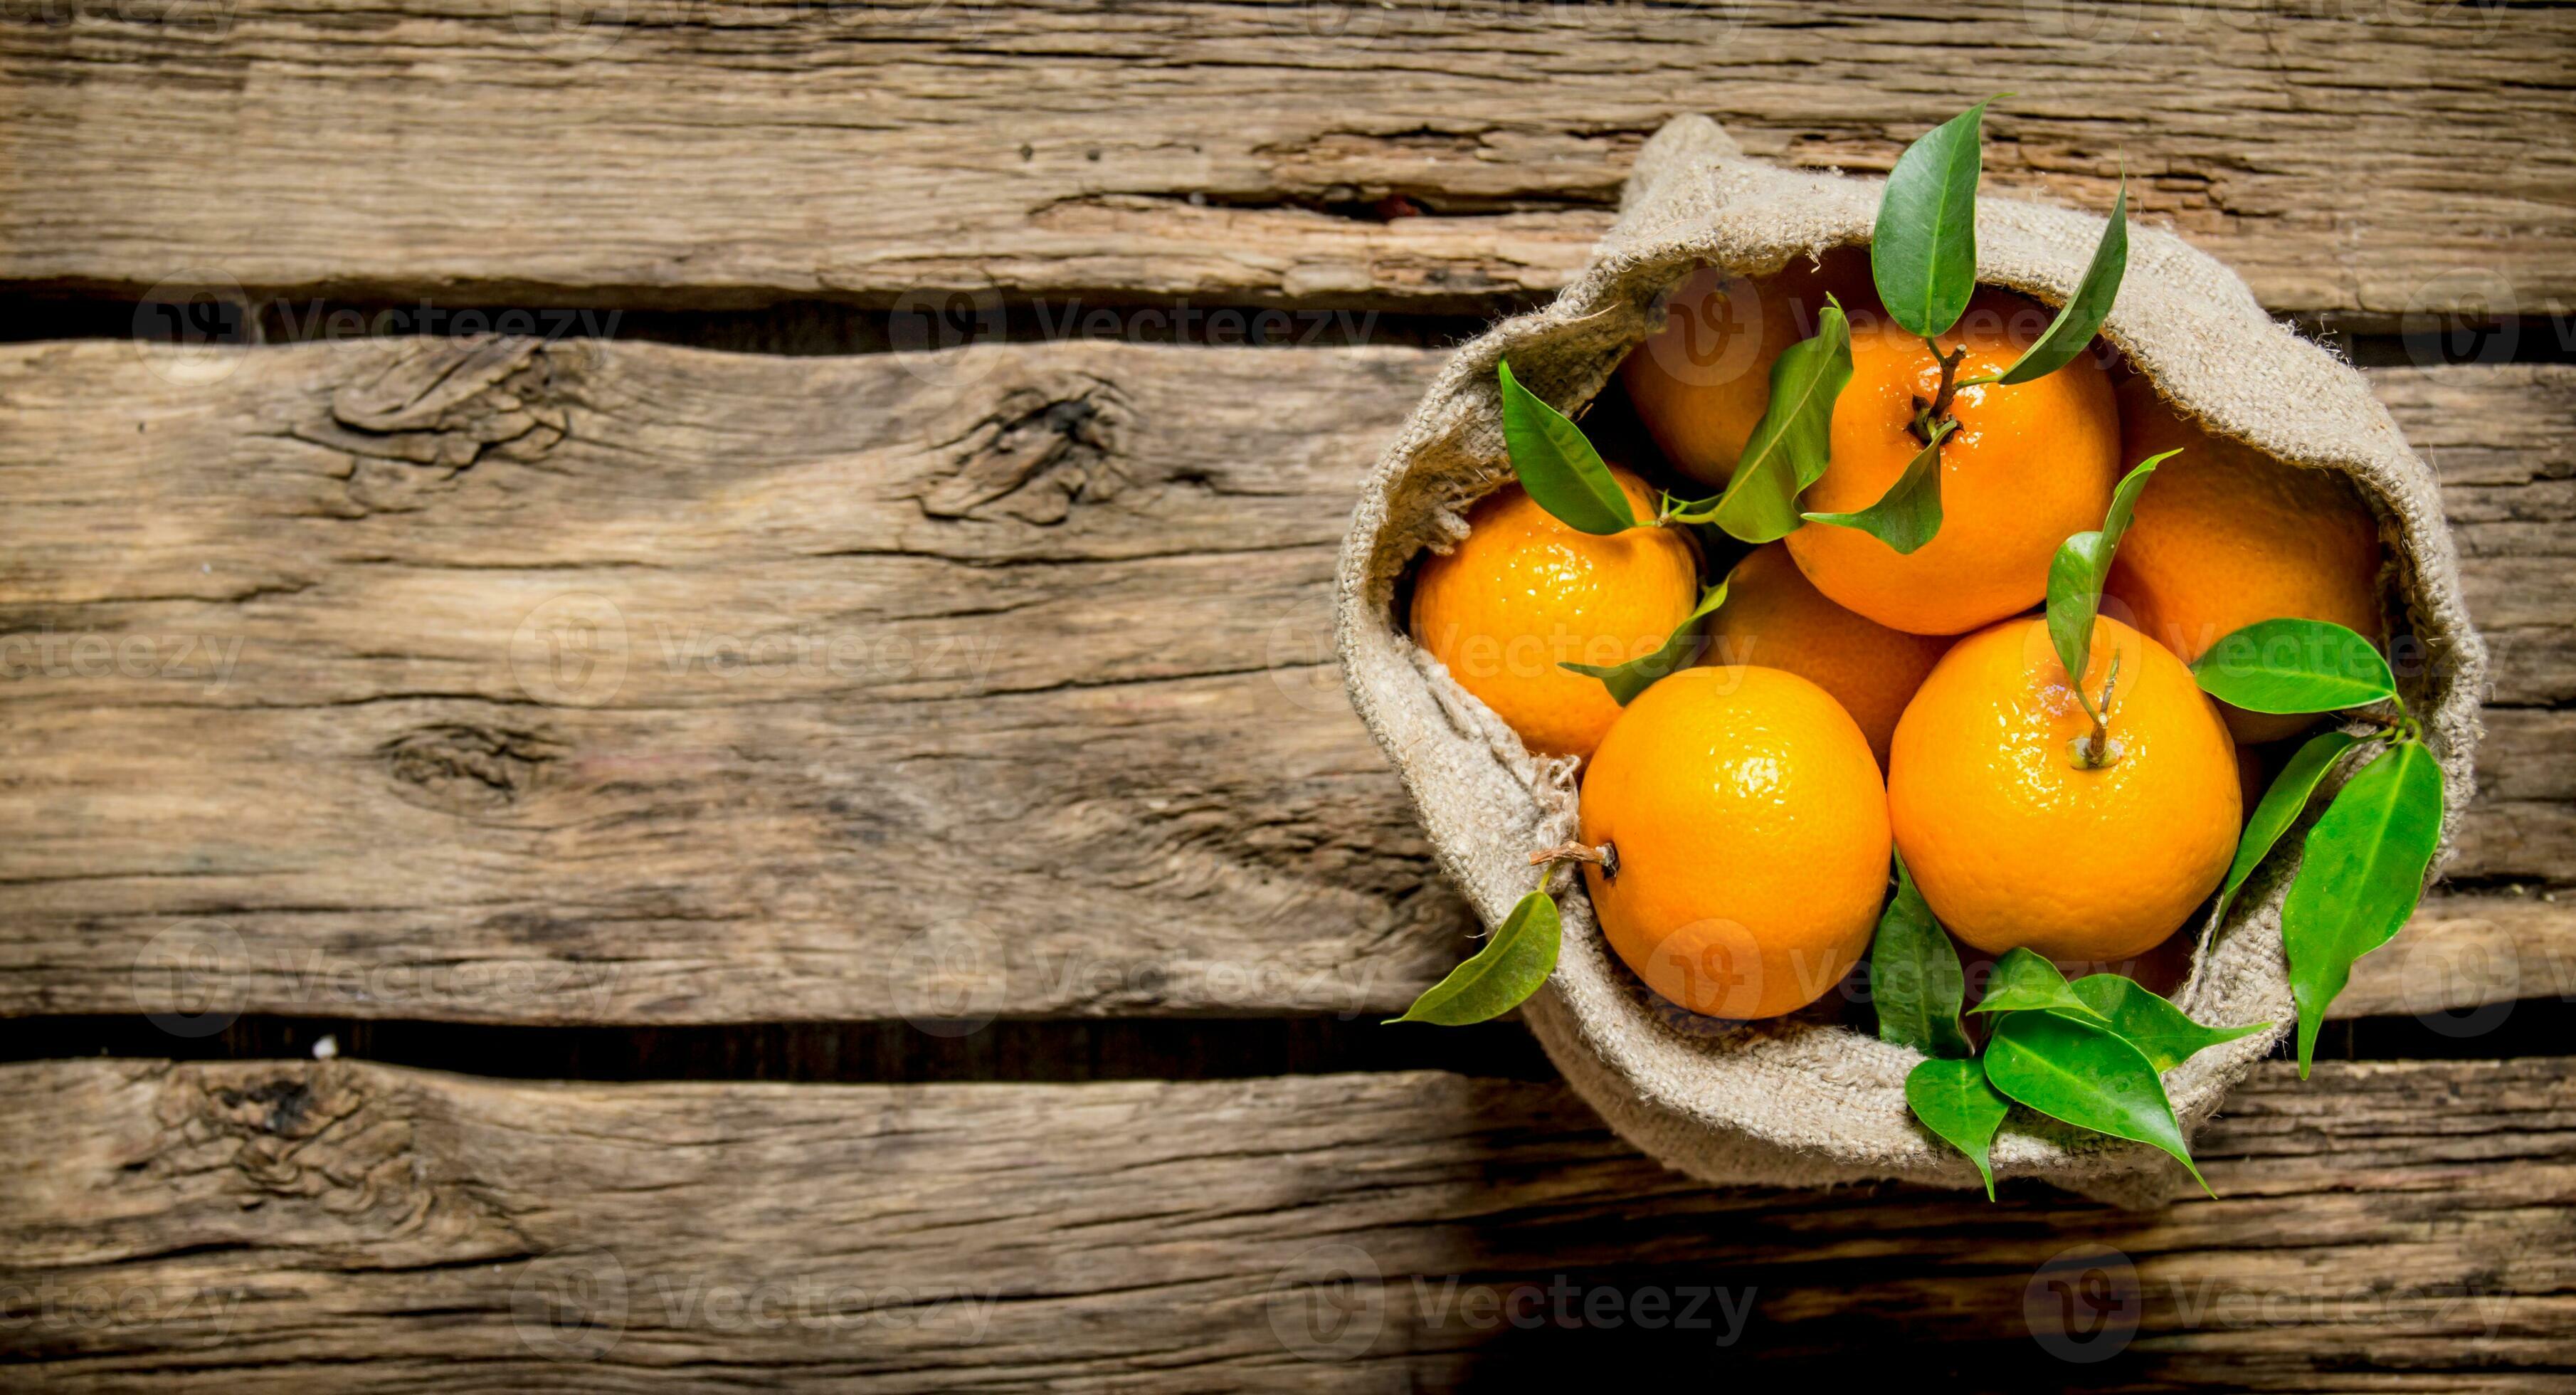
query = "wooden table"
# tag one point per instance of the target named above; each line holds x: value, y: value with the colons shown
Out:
x: 962, y: 716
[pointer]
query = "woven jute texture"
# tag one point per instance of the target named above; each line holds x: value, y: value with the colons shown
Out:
x: 1796, y: 1103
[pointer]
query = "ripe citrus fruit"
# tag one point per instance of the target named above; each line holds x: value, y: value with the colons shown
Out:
x: 1701, y: 384
x: 2026, y: 467
x: 2225, y: 536
x: 1749, y: 831
x: 1524, y: 592
x: 1776, y: 618
x: 2013, y: 844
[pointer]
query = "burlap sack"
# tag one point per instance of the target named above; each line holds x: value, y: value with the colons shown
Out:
x: 1798, y: 1104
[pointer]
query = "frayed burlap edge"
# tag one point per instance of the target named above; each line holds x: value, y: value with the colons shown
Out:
x: 1797, y: 1104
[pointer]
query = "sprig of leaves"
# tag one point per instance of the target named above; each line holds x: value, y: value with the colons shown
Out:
x: 2364, y: 861
x: 2086, y: 1053
x: 1788, y: 450
x: 1502, y: 975
x: 2361, y: 877
x: 1557, y: 464
x: 2075, y: 577
x: 2084, y: 1074
x: 1678, y: 652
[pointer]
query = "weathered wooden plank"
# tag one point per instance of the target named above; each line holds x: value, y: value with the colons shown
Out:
x: 268, y: 1225
x: 619, y: 682
x: 2369, y: 159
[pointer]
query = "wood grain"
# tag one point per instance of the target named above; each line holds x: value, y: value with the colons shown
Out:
x: 260, y: 1224
x: 2368, y: 160
x: 615, y: 682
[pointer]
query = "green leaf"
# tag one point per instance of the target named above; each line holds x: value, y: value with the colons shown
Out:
x: 1914, y: 976
x: 2083, y: 1074
x: 1955, y: 1101
x: 1506, y: 971
x: 2363, y: 873
x: 1787, y: 452
x: 1908, y: 515
x: 2280, y: 807
x: 2024, y: 981
x: 1558, y: 466
x: 2077, y: 323
x: 1923, y: 254
x: 2075, y: 575
x: 2291, y: 665
x: 2163, y: 1033
x: 1626, y: 681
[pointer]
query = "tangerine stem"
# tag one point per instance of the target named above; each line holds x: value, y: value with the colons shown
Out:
x: 1605, y: 857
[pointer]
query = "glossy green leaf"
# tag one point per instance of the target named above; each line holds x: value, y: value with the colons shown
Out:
x: 1923, y: 253
x: 1908, y: 515
x: 2163, y: 1033
x: 2072, y: 331
x: 1558, y: 465
x: 1502, y: 975
x: 2076, y: 574
x: 1956, y: 1102
x: 2024, y: 981
x: 2360, y: 878
x: 1914, y: 976
x: 2280, y: 807
x: 2085, y: 1075
x: 2294, y: 666
x: 1787, y: 451
x: 1680, y: 651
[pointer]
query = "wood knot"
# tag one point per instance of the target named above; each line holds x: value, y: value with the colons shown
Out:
x: 462, y: 768
x: 1037, y: 453
x: 436, y: 408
